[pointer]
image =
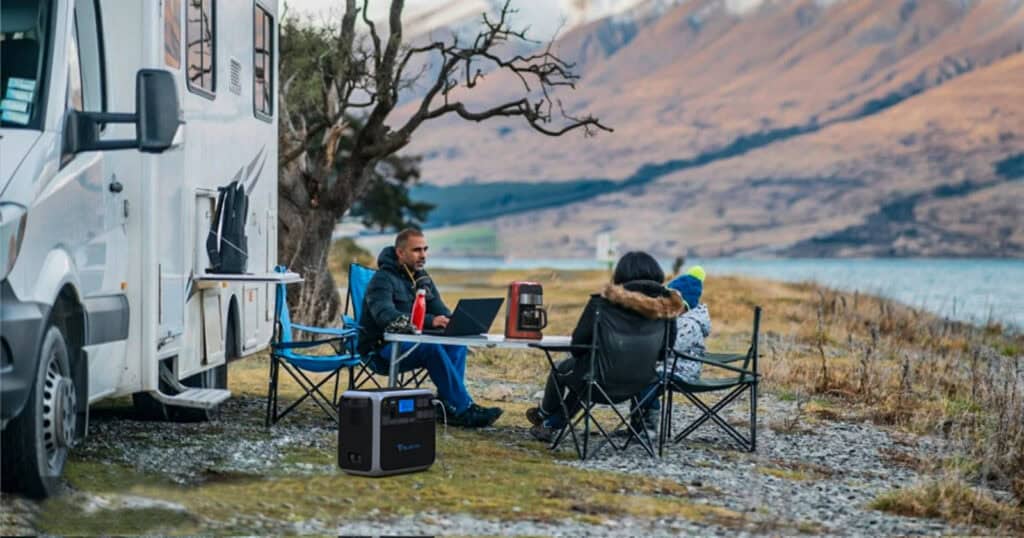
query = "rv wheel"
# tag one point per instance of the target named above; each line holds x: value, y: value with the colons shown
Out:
x: 36, y: 443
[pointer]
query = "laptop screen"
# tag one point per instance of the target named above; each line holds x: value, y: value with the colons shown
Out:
x: 471, y: 317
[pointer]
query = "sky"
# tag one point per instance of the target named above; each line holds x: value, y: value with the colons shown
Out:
x: 542, y: 16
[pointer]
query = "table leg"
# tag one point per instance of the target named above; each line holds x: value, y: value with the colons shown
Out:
x: 393, y: 368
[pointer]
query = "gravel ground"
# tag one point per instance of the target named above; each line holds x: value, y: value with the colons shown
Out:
x: 818, y: 479
x: 188, y: 453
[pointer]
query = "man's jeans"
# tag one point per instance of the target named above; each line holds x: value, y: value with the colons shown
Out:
x: 445, y: 364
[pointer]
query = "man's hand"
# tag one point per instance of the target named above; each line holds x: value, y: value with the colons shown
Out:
x: 440, y: 322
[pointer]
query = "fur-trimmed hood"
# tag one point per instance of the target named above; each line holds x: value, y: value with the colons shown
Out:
x: 645, y: 297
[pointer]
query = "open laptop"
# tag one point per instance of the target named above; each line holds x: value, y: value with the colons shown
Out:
x: 472, y: 317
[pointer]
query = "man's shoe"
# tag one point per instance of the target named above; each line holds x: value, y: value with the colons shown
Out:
x: 535, y: 416
x: 543, y: 433
x: 476, y: 417
x: 645, y: 420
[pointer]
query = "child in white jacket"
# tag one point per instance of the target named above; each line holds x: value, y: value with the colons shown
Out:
x: 693, y: 325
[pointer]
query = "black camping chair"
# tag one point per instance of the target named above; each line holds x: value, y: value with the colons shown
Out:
x: 741, y: 379
x: 362, y: 374
x: 610, y: 343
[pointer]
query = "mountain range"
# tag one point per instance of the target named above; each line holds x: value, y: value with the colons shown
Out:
x: 759, y: 127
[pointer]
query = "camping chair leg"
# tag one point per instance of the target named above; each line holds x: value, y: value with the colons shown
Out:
x: 570, y: 425
x: 334, y: 399
x: 587, y: 407
x: 312, y: 390
x: 707, y: 412
x: 363, y: 375
x: 627, y: 420
x: 712, y: 413
x: 704, y: 416
x: 665, y: 432
x: 753, y: 417
x: 271, y: 392
x: 729, y: 429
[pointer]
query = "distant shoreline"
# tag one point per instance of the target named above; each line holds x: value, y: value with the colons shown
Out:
x: 972, y: 290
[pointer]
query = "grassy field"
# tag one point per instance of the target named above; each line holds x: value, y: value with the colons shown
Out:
x: 838, y: 356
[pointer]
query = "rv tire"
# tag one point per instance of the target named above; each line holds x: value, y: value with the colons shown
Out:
x: 36, y: 443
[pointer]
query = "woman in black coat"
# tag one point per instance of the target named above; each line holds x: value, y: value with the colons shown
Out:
x: 633, y: 310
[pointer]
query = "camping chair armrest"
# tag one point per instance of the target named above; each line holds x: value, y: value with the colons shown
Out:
x: 333, y: 331
x: 348, y: 320
x: 308, y: 344
x: 718, y: 365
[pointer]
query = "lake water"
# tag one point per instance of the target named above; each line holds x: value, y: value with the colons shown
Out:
x: 964, y: 289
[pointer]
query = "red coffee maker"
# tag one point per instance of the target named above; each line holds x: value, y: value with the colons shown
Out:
x: 525, y: 316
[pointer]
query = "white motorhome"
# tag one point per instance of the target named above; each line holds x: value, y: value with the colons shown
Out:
x: 120, y: 120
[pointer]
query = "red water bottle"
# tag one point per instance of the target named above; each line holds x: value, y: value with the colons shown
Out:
x: 419, y: 309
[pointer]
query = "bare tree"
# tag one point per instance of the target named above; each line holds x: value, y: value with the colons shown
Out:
x: 340, y: 87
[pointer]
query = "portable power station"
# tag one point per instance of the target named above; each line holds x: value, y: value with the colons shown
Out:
x: 385, y: 431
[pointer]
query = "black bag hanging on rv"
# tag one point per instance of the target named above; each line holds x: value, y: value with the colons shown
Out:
x: 227, y: 244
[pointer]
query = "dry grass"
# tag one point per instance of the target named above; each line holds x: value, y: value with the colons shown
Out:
x: 901, y: 366
x: 952, y: 500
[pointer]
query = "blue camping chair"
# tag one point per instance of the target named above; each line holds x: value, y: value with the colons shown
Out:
x: 289, y: 354
x: 358, y: 281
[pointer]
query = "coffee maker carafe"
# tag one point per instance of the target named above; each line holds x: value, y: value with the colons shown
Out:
x: 525, y: 315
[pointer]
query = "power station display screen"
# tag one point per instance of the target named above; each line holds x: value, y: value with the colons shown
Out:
x: 407, y: 405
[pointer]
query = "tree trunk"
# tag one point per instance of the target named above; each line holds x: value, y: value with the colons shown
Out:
x: 304, y: 249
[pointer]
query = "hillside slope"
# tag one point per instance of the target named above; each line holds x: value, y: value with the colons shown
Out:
x: 794, y: 127
x: 940, y: 174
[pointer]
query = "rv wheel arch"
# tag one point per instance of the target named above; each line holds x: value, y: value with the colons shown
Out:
x: 70, y: 317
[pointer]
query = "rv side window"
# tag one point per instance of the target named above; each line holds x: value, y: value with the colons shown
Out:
x: 172, y: 33
x: 74, y: 100
x: 263, y: 64
x: 90, y: 54
x: 200, y: 34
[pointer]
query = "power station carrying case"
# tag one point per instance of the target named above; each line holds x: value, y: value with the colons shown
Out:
x: 386, y: 431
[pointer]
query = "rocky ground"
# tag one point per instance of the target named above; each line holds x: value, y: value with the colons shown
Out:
x: 809, y: 475
x: 819, y: 477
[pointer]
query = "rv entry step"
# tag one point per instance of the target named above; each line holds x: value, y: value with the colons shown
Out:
x: 195, y: 398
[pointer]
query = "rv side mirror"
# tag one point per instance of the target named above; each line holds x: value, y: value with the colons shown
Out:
x: 156, y: 118
x: 158, y: 110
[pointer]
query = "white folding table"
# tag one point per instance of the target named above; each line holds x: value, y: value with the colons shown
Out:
x: 497, y: 341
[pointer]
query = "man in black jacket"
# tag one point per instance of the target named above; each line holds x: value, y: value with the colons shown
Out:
x: 389, y: 296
